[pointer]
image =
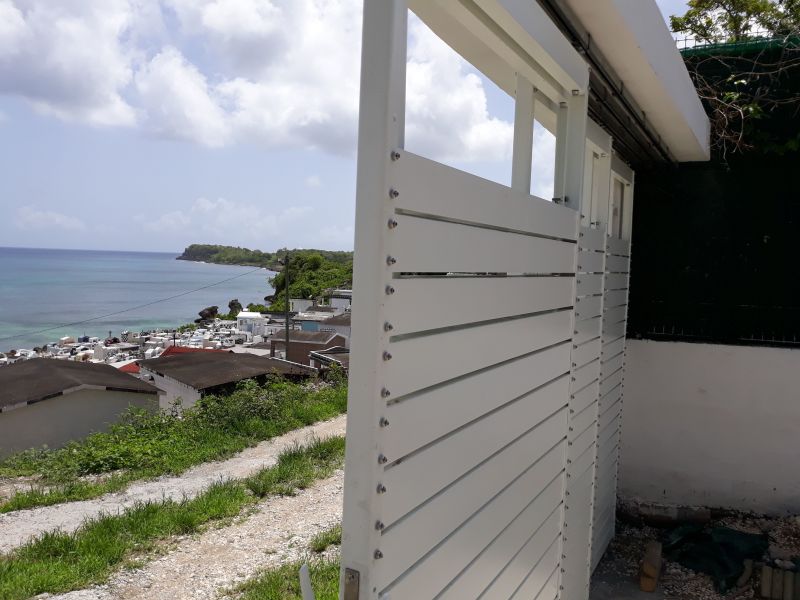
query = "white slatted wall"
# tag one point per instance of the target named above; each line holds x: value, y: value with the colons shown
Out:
x: 615, y: 307
x: 582, y: 429
x: 476, y: 387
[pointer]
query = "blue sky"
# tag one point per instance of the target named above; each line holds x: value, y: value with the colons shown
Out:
x: 153, y: 124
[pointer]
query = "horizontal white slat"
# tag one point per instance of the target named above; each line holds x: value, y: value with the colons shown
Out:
x: 609, y: 399
x: 618, y: 246
x: 607, y: 462
x: 581, y: 420
x: 592, y: 239
x: 612, y: 412
x: 590, y: 262
x: 587, y: 308
x: 603, y: 534
x: 616, y: 298
x: 440, y: 357
x: 586, y: 353
x: 581, y: 462
x: 607, y: 434
x: 616, y: 281
x: 616, y: 264
x: 610, y: 382
x: 541, y: 581
x: 418, y: 477
x: 584, y: 398
x: 524, y: 542
x: 605, y: 489
x: 582, y: 442
x: 419, y: 246
x: 611, y: 349
x: 424, y: 417
x: 584, y: 376
x: 440, y: 567
x: 415, y: 536
x: 611, y: 365
x: 587, y: 330
x: 420, y: 304
x: 589, y: 284
x: 613, y: 330
x: 429, y: 187
x: 614, y: 315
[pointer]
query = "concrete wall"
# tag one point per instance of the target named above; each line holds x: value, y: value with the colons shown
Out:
x: 58, y: 420
x: 173, y: 390
x: 711, y: 425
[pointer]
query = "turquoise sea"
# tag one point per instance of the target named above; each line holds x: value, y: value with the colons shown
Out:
x: 44, y: 288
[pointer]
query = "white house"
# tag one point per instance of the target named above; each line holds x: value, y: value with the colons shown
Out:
x: 341, y: 300
x: 52, y: 402
x: 250, y: 322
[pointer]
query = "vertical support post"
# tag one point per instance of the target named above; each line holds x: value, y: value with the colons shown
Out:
x: 602, y: 190
x: 560, y: 174
x: 575, y: 151
x: 522, y: 157
x: 381, y: 132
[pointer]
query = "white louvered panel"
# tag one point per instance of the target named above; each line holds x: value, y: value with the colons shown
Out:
x: 615, y: 298
x: 612, y: 331
x: 583, y: 376
x: 421, y: 304
x: 590, y: 261
x: 614, y: 315
x: 586, y: 353
x: 587, y: 330
x: 588, y: 307
x: 618, y: 246
x: 585, y: 397
x: 542, y: 581
x: 616, y: 281
x: 589, y: 284
x: 611, y: 365
x: 617, y: 264
x: 592, y: 239
x: 417, y: 246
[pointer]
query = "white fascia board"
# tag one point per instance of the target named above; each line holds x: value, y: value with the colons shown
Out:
x: 504, y: 37
x: 635, y: 42
x: 598, y: 137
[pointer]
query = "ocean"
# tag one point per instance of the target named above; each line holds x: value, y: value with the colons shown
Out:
x: 42, y: 288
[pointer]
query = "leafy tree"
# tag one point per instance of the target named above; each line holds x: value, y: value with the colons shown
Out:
x: 310, y: 274
x: 714, y: 21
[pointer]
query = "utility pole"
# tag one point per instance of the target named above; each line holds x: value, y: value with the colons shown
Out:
x: 286, y: 281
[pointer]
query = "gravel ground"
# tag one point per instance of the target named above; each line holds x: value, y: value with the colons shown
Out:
x: 205, y: 565
x: 18, y: 527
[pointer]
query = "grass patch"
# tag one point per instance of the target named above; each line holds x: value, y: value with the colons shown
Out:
x: 325, y: 539
x: 283, y: 583
x: 147, y: 445
x: 59, y: 562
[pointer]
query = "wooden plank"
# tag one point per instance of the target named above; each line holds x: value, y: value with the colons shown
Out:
x: 607, y: 367
x: 541, y: 580
x: 418, y: 246
x: 616, y: 298
x: 618, y: 246
x: 610, y: 382
x: 420, y: 304
x: 584, y: 398
x: 583, y: 376
x: 586, y: 353
x: 428, y: 187
x: 614, y: 348
x: 589, y: 284
x: 613, y: 331
x: 592, y: 239
x: 424, y: 417
x: 614, y: 315
x: 616, y: 281
x: 587, y: 330
x: 428, y: 577
x: 522, y: 544
x: 423, y: 529
x: 419, y: 476
x: 617, y: 264
x: 443, y: 356
x: 588, y: 307
x: 590, y: 261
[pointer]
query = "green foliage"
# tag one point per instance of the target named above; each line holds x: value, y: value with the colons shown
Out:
x: 310, y: 274
x: 59, y: 562
x: 715, y: 21
x: 150, y: 445
x: 324, y: 539
x: 283, y: 583
x: 230, y: 255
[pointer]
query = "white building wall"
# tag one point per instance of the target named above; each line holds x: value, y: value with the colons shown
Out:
x: 173, y: 390
x: 711, y: 425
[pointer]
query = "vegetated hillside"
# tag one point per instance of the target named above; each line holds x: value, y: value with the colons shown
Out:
x: 310, y: 274
x: 234, y: 255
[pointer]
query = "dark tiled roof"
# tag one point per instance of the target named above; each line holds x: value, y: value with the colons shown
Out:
x: 37, y: 379
x: 310, y: 337
x: 336, y: 354
x: 202, y: 370
x: 342, y: 319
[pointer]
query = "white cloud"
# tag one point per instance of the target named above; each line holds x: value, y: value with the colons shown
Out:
x: 30, y: 218
x: 544, y: 162
x: 313, y: 181
x: 169, y: 222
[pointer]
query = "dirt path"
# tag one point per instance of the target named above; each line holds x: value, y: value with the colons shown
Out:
x: 200, y: 567
x: 18, y: 527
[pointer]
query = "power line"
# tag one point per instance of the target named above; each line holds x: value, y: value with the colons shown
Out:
x: 119, y: 312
